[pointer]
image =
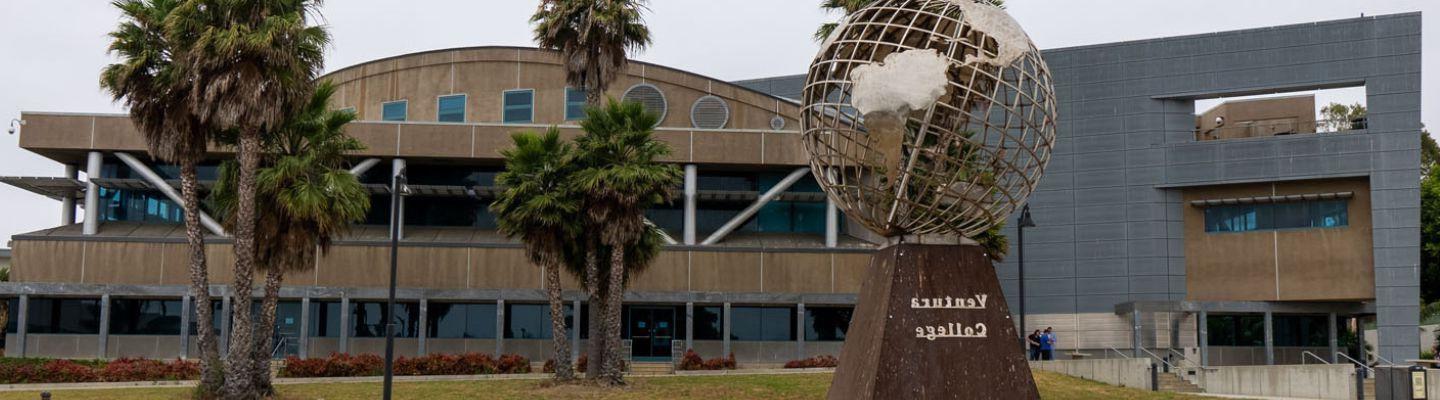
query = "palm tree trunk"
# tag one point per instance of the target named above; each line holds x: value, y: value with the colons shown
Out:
x: 212, y: 376
x: 595, y: 351
x: 240, y: 362
x: 560, y: 340
x: 615, y: 291
x: 265, y: 328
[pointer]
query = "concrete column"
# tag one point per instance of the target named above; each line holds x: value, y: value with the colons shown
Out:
x: 67, y: 204
x: 1269, y: 338
x: 345, y: 324
x: 689, y: 325
x: 187, y: 307
x: 22, y: 323
x: 800, y: 331
x: 725, y: 330
x: 832, y: 223
x: 500, y: 327
x: 93, y: 162
x: 397, y: 166
x: 424, y: 323
x: 1203, y: 337
x: 225, y: 325
x: 304, y: 327
x: 1334, y: 338
x: 575, y: 333
x: 104, y: 326
x: 1136, y: 341
x: 691, y: 189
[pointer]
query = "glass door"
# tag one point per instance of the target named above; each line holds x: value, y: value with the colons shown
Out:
x: 651, y: 331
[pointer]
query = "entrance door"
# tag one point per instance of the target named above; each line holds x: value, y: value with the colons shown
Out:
x: 651, y: 330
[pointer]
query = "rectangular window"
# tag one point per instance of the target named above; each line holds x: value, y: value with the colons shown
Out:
x: 519, y: 106
x: 1260, y: 217
x: 574, y: 104
x: 451, y: 108
x: 1236, y: 330
x: 762, y: 324
x: 709, y: 323
x: 145, y: 317
x: 531, y: 321
x: 64, y: 316
x: 824, y: 324
x: 368, y: 319
x: 461, y: 321
x: 394, y: 111
x: 324, y: 319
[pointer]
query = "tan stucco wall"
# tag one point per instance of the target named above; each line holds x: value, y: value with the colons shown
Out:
x: 1297, y: 264
x: 1284, y: 114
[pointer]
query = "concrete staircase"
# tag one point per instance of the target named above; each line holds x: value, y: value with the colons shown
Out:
x: 1174, y: 383
x: 652, y: 368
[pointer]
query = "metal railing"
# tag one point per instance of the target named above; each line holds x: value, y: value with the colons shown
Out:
x: 279, y: 344
x: 1183, y: 357
x: 1353, y: 361
x: 1304, y: 360
x: 1121, y: 353
x: 1168, y: 366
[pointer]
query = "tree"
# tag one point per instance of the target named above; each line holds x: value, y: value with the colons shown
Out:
x: 1337, y: 117
x: 309, y: 197
x: 594, y: 38
x: 149, y: 80
x: 1430, y: 237
x: 620, y: 176
x: 252, y: 64
x: 539, y: 206
x: 847, y: 7
x: 1429, y: 152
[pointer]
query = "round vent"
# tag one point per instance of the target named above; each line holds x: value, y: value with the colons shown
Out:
x: 777, y: 123
x: 709, y: 112
x: 650, y: 97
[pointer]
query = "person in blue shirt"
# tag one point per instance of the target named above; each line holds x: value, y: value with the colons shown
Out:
x: 1047, y: 343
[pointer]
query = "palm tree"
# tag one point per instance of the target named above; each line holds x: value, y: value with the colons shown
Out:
x: 253, y: 64
x: 149, y: 81
x: 620, y: 176
x: 847, y: 7
x: 539, y: 207
x: 594, y: 38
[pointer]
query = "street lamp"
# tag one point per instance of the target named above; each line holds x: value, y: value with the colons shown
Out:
x: 397, y: 188
x: 1020, y: 224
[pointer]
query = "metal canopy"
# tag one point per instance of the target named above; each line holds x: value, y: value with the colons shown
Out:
x: 1272, y: 199
x: 52, y: 187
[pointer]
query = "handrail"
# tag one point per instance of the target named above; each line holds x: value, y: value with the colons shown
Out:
x: 278, y: 345
x: 1353, y: 361
x: 1382, y: 358
x: 1308, y: 353
x: 1121, y: 353
x: 1160, y: 359
x: 1182, y: 356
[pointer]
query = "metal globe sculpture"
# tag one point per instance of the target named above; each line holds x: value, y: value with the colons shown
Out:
x: 928, y: 116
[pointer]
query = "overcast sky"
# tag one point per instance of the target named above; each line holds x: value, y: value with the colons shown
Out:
x: 51, y: 51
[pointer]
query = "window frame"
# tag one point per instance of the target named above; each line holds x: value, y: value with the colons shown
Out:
x: 464, y: 106
x: 505, y: 107
x: 405, y: 102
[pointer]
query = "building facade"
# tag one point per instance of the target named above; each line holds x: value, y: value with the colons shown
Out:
x: 1154, y: 236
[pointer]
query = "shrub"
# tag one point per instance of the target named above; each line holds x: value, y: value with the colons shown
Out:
x: 814, y: 362
x: 135, y: 369
x: 691, y: 361
x: 66, y: 371
x: 514, y: 364
x: 337, y: 365
x: 345, y: 365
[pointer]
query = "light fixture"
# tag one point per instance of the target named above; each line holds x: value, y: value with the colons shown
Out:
x: 15, y: 124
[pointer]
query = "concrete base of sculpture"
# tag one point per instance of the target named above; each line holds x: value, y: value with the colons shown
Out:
x: 932, y: 324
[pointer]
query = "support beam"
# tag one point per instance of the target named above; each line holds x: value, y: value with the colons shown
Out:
x: 397, y: 167
x: 187, y: 307
x: 364, y: 166
x: 725, y: 330
x: 832, y: 223
x: 159, y: 183
x: 104, y: 345
x: 689, y: 325
x: 93, y: 162
x: 1136, y: 341
x: 750, y: 211
x: 1334, y: 338
x: 575, y: 333
x: 1203, y: 337
x: 423, y: 329
x: 1269, y: 338
x: 304, y: 328
x: 22, y: 323
x: 500, y: 327
x: 691, y: 189
x: 345, y: 324
x: 67, y: 204
x: 225, y: 326
x: 799, y: 331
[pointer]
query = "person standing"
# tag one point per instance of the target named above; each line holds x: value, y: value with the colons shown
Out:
x: 1047, y: 344
x: 1033, y: 343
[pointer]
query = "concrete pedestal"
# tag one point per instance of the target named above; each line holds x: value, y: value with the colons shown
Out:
x: 932, y: 323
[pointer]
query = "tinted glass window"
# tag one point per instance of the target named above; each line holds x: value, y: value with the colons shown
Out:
x: 368, y: 319
x: 70, y: 316
x: 451, y: 108
x: 825, y: 324
x: 527, y: 321
x: 762, y: 323
x: 287, y: 318
x: 456, y: 321
x: 574, y: 104
x: 394, y: 111
x: 1297, y: 215
x: 709, y: 323
x: 324, y: 319
x: 145, y: 317
x: 1236, y: 330
x: 519, y: 107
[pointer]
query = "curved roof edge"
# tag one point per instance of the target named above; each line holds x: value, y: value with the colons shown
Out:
x: 540, y: 50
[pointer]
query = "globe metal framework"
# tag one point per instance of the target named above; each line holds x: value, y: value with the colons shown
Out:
x: 957, y: 164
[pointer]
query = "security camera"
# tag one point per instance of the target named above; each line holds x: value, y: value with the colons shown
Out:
x: 14, y: 123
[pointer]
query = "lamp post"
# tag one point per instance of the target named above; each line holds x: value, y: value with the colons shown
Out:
x: 1023, y: 222
x: 397, y: 188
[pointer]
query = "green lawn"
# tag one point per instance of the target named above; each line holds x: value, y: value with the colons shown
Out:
x: 800, y: 386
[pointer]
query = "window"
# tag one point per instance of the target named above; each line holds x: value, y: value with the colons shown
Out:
x: 532, y: 321
x: 145, y: 317
x: 519, y: 106
x: 823, y: 324
x: 709, y: 323
x: 324, y: 319
x: 64, y: 316
x: 770, y: 324
x: 1302, y: 331
x: 368, y: 319
x: 451, y: 108
x: 1236, y: 330
x: 574, y: 104
x: 394, y: 111
x: 1249, y: 330
x: 457, y: 321
x: 1260, y: 217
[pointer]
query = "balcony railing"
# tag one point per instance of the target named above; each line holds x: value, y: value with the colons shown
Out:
x: 1242, y: 130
